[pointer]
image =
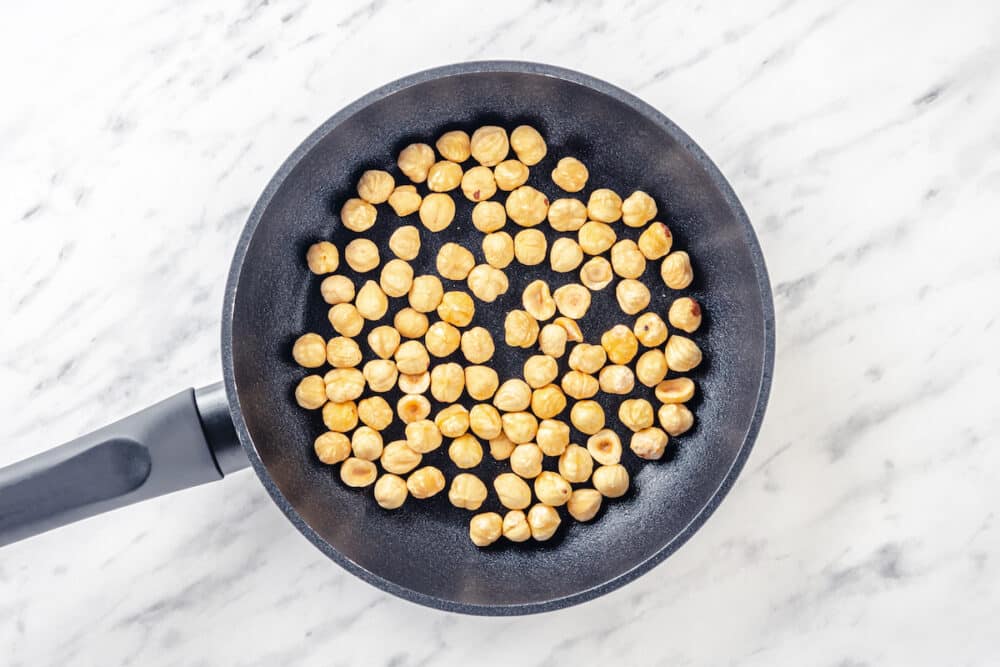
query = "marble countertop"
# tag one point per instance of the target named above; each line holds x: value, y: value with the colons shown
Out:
x: 862, y: 138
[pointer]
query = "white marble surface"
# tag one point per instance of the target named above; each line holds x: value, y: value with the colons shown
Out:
x: 862, y: 137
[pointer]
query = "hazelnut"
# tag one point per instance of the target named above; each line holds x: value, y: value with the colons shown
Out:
x: 332, y: 447
x: 337, y: 289
x: 543, y: 521
x: 596, y: 237
x: 576, y: 464
x: 682, y: 354
x: 454, y: 145
x: 322, y: 257
x: 604, y: 205
x: 649, y: 443
x: 530, y: 246
x: 489, y: 216
x: 358, y: 472
x: 620, y: 344
x: 437, y: 210
x: 528, y: 144
x: 374, y: 187
x: 552, y: 437
x: 617, y: 379
x: 636, y: 413
x: 611, y: 481
x: 410, y: 323
x: 467, y: 491
x: 417, y: 383
x: 685, y: 314
x: 456, y: 308
x: 413, y: 407
x: 655, y: 241
x: 676, y: 270
x: 340, y: 417
x: 398, y: 458
x: 677, y: 390
x: 520, y: 427
x: 412, y: 358
x: 567, y: 215
x: 552, y: 489
x: 371, y: 301
x: 540, y: 370
x: 596, y: 273
x: 361, y: 255
x: 632, y: 296
x: 478, y: 184
x: 552, y: 340
x: 423, y: 436
x: 513, y: 492
x: 390, y: 492
x: 675, y: 418
x: 520, y: 329
x: 565, y: 255
x: 515, y: 526
x: 358, y: 215
x: 513, y: 395
x: 453, y: 421
x: 526, y: 461
x: 538, y: 301
x: 311, y: 392
x: 573, y: 333
x: 425, y: 482
x: 650, y: 329
x: 587, y: 417
x: 415, y: 161
x: 447, y: 382
x: 481, y: 382
x: 573, y: 300
x: 309, y: 350
x: 465, y: 451
x: 485, y: 528
x: 442, y: 339
x: 381, y: 374
x: 638, y: 209
x: 584, y: 504
x: 489, y: 145
x: 651, y: 368
x: 587, y: 358
x: 366, y: 443
x: 498, y: 249
x: 501, y: 447
x: 527, y: 206
x: 383, y: 341
x: 346, y: 319
x: 605, y: 446
x: 396, y: 278
x: 487, y: 282
x: 477, y: 345
x: 484, y: 421
x: 405, y: 200
x: 405, y: 242
x: 579, y: 385
x: 344, y: 384
x: 627, y: 260
x: 375, y: 412
x: 570, y: 174
x: 426, y: 293
x: 510, y: 174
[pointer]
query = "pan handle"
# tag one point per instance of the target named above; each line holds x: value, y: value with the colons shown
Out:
x: 185, y: 440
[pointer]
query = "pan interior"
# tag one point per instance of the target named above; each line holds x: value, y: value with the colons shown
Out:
x: 424, y: 547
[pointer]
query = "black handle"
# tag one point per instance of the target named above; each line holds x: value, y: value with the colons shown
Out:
x: 186, y: 440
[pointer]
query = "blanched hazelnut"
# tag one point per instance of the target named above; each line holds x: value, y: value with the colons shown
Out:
x: 357, y: 214
x: 526, y: 461
x: 528, y: 144
x: 638, y: 209
x: 510, y: 174
x: 552, y: 489
x: 383, y: 341
x: 572, y: 300
x: 605, y: 446
x: 310, y: 393
x: 381, y: 374
x: 579, y: 385
x: 425, y: 482
x: 412, y: 358
x: 636, y: 413
x: 682, y: 353
x: 371, y: 301
x: 501, y: 447
x: 447, y: 382
x: 530, y: 246
x: 358, y: 472
x: 649, y: 443
x: 454, y: 145
x: 337, y: 289
x: 538, y: 301
x: 415, y: 161
x: 570, y: 174
x: 332, y: 447
x: 375, y: 186
x: 340, y: 417
x: 398, y: 458
x: 410, y: 323
x: 552, y: 437
x: 513, y: 492
x: 552, y: 340
x: 498, y: 249
x: 576, y: 464
x: 650, y: 329
x: 484, y: 421
x: 543, y: 521
x: 512, y: 396
x: 584, y: 504
x: 361, y: 255
x: 405, y: 242
x: 375, y: 412
x: 309, y: 350
x: 567, y: 215
x: 527, y: 206
x: 587, y: 417
x: 467, y: 491
x: 587, y: 358
x: 520, y: 427
x: 676, y: 270
x: 489, y: 145
x: 481, y: 382
x: 442, y: 339
x: 573, y: 333
x: 414, y: 384
x: 396, y: 278
x: 478, y: 184
x: 596, y: 273
x: 515, y: 526
x: 520, y: 329
x: 596, y: 237
x: 548, y: 401
x: 426, y: 293
x: 675, y: 418
x: 437, y: 210
x: 413, y: 407
x: 487, y: 282
x: 444, y: 176
x: 465, y: 451
x: 604, y: 205
x: 485, y: 528
x: 617, y: 379
x: 477, y: 345
x: 322, y: 257
x: 456, y: 308
x: 453, y: 421
x: 540, y: 370
x: 651, y: 368
x: 620, y: 344
x: 632, y: 296
x: 489, y: 216
x: 344, y: 384
x: 366, y: 443
x: 565, y: 255
x: 677, y: 390
x: 612, y: 481
x: 390, y: 491
x: 405, y: 200
x: 655, y: 241
x: 626, y: 259
x: 685, y: 314
x: 423, y: 436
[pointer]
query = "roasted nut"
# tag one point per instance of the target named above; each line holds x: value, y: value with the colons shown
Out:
x: 573, y: 333
x: 456, y: 308
x: 649, y: 443
x: 565, y: 255
x: 576, y: 464
x: 526, y: 461
x: 520, y: 427
x: 587, y: 417
x: 478, y: 184
x: 685, y: 314
x: 310, y: 393
x: 437, y: 210
x: 383, y: 341
x: 579, y: 385
x: 442, y: 339
x: 337, y: 289
x: 538, y: 301
x: 655, y: 241
x: 682, y: 353
x: 604, y: 205
x: 405, y: 200
x: 596, y: 237
x: 552, y: 437
x: 484, y: 421
x: 411, y: 358
x: 375, y: 412
x: 477, y: 345
x: 587, y: 358
x: 425, y: 482
x: 396, y: 278
x: 344, y: 384
x: 485, y: 528
x: 412, y: 407
x: 423, y: 436
x: 596, y: 273
x: 650, y: 329
x: 498, y: 248
x: 322, y: 257
x: 552, y: 489
x: 489, y: 145
x: 465, y: 451
x: 638, y: 209
x: 540, y: 370
x: 398, y: 458
x: 361, y: 255
x: 381, y: 374
x: 627, y: 260
x: 617, y: 379
x: 584, y: 504
x: 513, y: 395
x: 447, y: 382
x: 520, y: 329
x: 548, y: 401
x: 467, y: 491
x: 605, y: 446
x: 636, y: 413
x: 453, y: 421
x: 510, y: 174
x: 426, y: 293
x: 515, y: 526
x: 530, y: 246
x: 675, y: 418
x: 444, y: 176
x: 567, y: 215
x: 309, y: 350
x: 332, y: 447
x: 415, y: 161
x: 390, y: 491
x: 358, y: 472
x: 572, y: 300
x: 543, y: 521
x: 366, y: 443
x: 620, y: 344
x: 375, y: 186
x: 489, y: 216
x: 651, y: 368
x: 481, y: 382
x: 611, y: 481
x: 632, y: 296
x: 677, y: 390
x: 340, y: 417
x: 405, y: 242
x: 552, y: 340
x: 528, y: 144
x: 487, y: 282
x: 570, y: 174
x: 676, y: 270
x: 527, y: 206
x: 513, y: 492
x: 414, y: 384
x: 454, y: 146
x: 357, y: 214
x: 501, y: 447
x: 410, y: 323
x: 371, y: 301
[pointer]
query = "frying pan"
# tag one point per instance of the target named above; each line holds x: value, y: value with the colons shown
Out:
x: 422, y: 552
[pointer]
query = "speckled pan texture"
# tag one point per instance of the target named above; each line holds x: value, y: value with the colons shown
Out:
x: 422, y: 552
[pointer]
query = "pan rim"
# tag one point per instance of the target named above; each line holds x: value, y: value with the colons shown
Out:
x: 757, y: 260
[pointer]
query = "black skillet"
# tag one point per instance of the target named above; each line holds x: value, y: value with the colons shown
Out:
x: 422, y: 551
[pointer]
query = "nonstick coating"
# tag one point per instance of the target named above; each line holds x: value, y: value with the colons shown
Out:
x: 422, y: 552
